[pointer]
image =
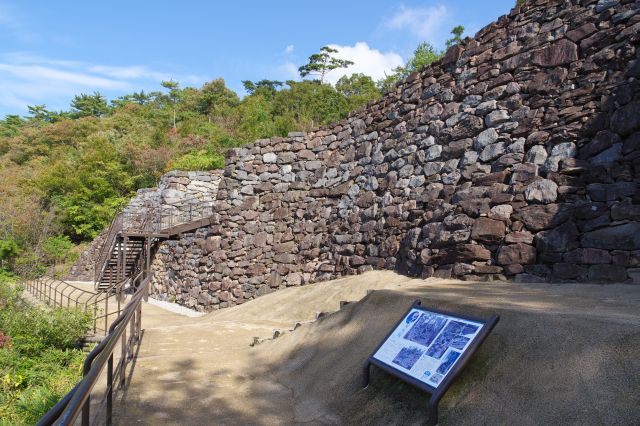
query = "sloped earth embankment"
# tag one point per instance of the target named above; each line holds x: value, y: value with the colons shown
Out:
x: 566, y: 354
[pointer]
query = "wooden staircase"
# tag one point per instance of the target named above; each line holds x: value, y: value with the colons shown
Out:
x: 129, y: 244
x: 123, y: 261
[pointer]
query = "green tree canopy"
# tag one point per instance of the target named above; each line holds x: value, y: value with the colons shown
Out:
x: 322, y: 63
x: 84, y: 105
x: 266, y: 88
x: 358, y: 89
x: 57, y: 248
x: 457, y: 36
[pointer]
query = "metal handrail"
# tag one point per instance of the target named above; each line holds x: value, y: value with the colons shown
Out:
x: 78, y: 401
x: 154, y: 220
x: 61, y: 294
x: 107, y: 247
x: 168, y: 215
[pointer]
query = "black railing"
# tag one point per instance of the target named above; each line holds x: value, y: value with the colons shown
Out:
x: 152, y: 221
x: 107, y: 246
x: 81, y: 402
x: 159, y: 218
x: 102, y: 306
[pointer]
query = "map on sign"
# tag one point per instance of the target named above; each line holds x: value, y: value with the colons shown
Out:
x: 426, y: 345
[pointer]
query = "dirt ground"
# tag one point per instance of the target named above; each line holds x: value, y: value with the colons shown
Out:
x: 561, y: 354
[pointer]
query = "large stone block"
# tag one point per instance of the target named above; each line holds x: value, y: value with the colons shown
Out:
x: 561, y: 52
x: 512, y: 254
x: 539, y: 217
x: 621, y: 237
x: 542, y: 191
x: 611, y: 191
x: 560, y: 239
x: 488, y: 230
x: 462, y: 253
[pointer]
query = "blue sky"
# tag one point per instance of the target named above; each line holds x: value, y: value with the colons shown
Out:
x: 50, y: 51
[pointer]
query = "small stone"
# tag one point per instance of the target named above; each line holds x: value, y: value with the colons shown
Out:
x: 517, y: 147
x: 525, y: 237
x: 485, y: 138
x: 605, y: 4
x: 269, y: 157
x: 524, y: 172
x: 560, y: 152
x: 611, y: 191
x: 451, y: 178
x: 433, y: 152
x: 560, y: 239
x: 496, y: 117
x: 486, y: 107
x: 432, y: 168
x: 543, y: 191
x: 468, y: 158
x: 626, y: 119
x: 537, y: 155
x: 492, y: 151
x: 416, y: 181
x: 501, y: 212
x: 537, y: 138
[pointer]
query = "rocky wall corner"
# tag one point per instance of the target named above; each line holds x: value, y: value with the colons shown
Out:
x: 515, y: 157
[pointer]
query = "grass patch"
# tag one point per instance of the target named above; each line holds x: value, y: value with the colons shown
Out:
x: 40, y: 360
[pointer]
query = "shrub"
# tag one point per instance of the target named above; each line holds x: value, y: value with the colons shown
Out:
x: 40, y: 360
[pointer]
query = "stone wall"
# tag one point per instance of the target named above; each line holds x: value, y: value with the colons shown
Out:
x: 83, y: 268
x: 517, y: 156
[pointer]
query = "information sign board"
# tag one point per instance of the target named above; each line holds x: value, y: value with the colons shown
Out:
x: 428, y: 348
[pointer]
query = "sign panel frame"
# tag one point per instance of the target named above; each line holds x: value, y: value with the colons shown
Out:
x: 438, y: 391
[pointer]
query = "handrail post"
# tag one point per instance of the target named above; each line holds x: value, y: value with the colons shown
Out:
x: 123, y: 364
x: 106, y: 313
x: 109, y: 391
x: 86, y: 412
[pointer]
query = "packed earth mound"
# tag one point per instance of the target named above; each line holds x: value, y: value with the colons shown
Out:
x: 564, y: 354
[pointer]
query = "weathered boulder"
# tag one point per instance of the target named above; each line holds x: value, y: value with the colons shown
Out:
x: 560, y: 239
x: 521, y: 254
x: 542, y: 191
x: 540, y: 217
x: 611, y: 191
x: 488, y: 230
x: 620, y: 237
x: 561, y: 52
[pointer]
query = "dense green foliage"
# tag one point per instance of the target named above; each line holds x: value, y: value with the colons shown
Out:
x: 63, y: 174
x: 39, y: 356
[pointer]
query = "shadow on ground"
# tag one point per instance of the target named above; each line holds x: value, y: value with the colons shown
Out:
x: 560, y: 355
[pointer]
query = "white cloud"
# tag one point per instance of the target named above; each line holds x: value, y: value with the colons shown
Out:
x: 289, y: 49
x: 12, y: 27
x: 367, y: 60
x: 26, y: 79
x: 290, y: 70
x: 424, y: 22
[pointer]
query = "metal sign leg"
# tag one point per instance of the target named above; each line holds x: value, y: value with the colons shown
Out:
x: 366, y: 372
x: 433, y: 411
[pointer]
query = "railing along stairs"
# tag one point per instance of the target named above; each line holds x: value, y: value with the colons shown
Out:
x: 123, y: 263
x: 132, y: 236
